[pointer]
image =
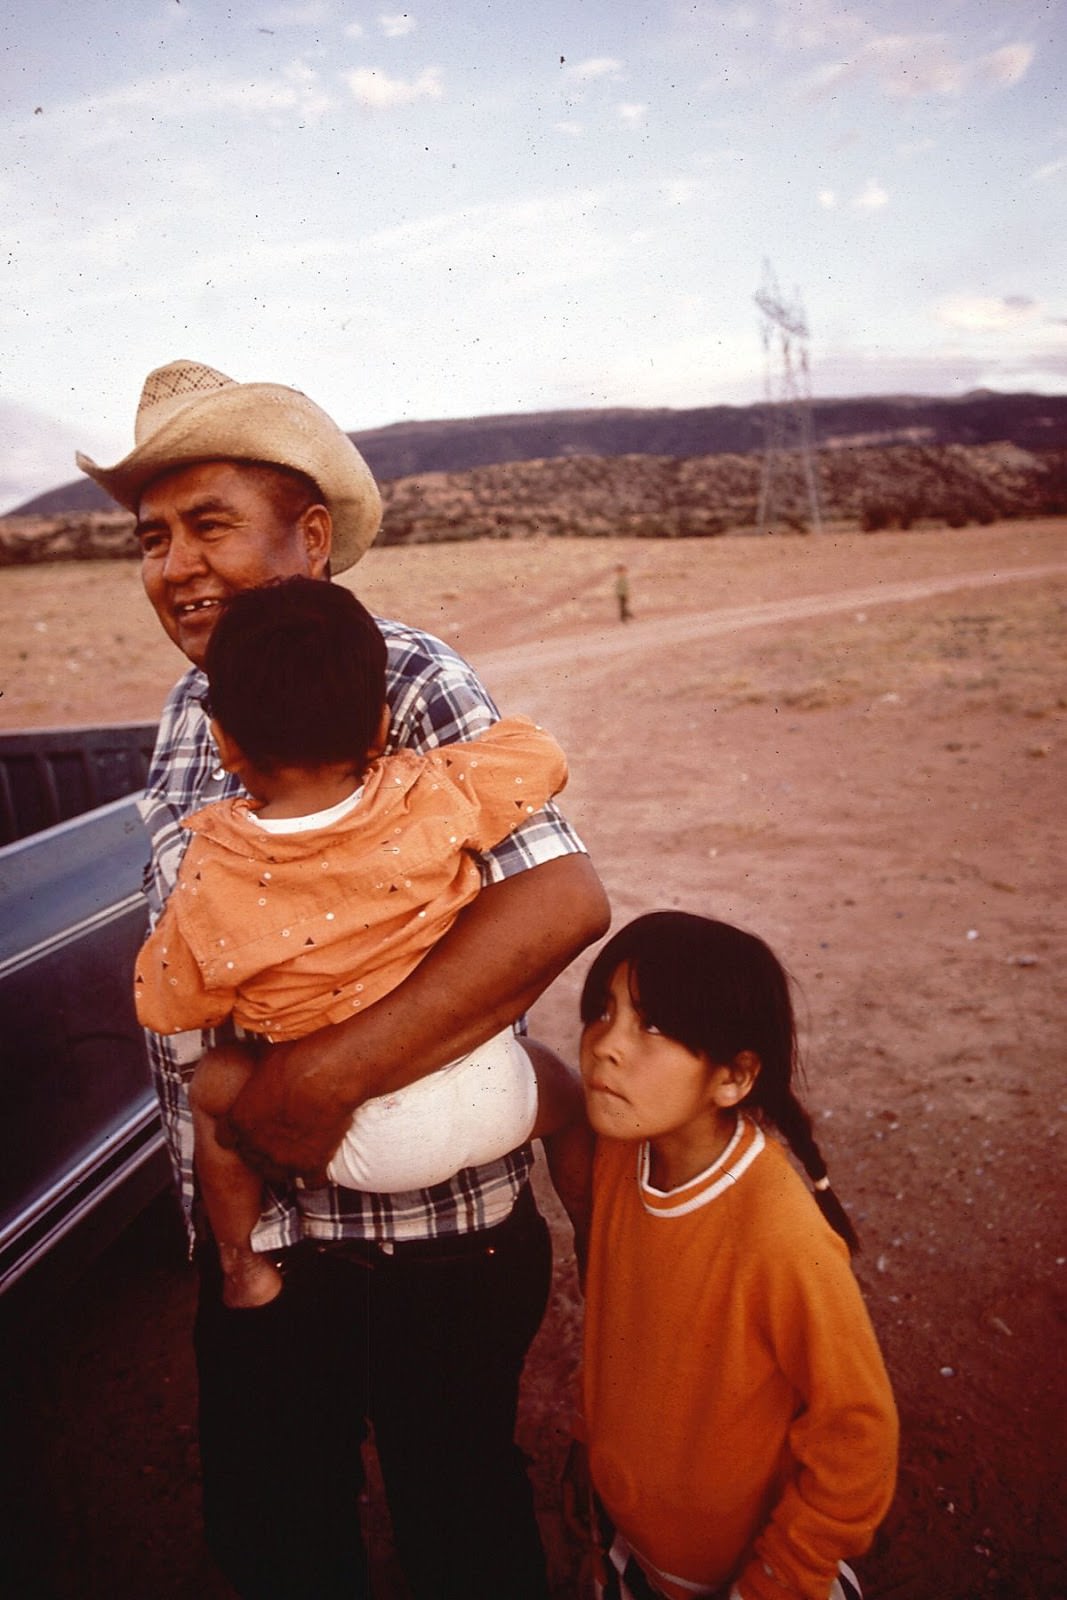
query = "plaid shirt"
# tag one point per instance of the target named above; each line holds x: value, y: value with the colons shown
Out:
x: 435, y: 699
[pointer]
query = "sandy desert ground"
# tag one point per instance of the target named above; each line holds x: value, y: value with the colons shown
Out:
x: 853, y: 745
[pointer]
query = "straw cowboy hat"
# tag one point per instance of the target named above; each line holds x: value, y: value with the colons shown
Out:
x: 189, y: 412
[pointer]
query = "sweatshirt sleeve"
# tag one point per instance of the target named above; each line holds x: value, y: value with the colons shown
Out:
x: 844, y: 1439
x: 168, y: 987
x: 507, y: 775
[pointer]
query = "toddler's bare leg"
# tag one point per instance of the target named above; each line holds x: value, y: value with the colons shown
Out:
x: 232, y: 1191
x: 568, y: 1139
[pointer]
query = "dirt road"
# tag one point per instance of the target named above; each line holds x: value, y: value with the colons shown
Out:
x: 516, y: 664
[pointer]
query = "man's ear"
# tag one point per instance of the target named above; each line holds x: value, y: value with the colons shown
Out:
x: 734, y: 1080
x: 316, y: 525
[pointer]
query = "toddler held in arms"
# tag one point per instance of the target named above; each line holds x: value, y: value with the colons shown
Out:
x: 314, y: 896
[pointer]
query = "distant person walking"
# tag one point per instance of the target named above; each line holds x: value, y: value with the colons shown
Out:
x: 622, y: 591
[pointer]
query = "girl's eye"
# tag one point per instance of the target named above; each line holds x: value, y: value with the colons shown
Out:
x: 649, y: 1027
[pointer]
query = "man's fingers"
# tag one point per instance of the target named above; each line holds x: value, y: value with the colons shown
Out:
x: 257, y: 1159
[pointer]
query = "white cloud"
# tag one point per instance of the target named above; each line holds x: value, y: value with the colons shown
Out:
x: 987, y: 314
x: 916, y: 147
x: 727, y: 156
x: 872, y: 197
x: 296, y: 88
x: 1008, y: 65
x: 374, y: 88
x: 183, y: 96
x: 574, y: 130
x: 737, y: 18
x: 680, y: 191
x: 827, y: 199
x: 816, y: 25
x: 353, y: 30
x: 912, y: 75
x: 397, y: 25
x: 949, y: 369
x: 550, y: 240
x: 632, y: 111
x: 296, y: 16
x: 312, y: 99
x: 595, y: 67
x: 910, y: 66
x: 1049, y: 170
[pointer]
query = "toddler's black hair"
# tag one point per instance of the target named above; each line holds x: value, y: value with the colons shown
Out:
x: 296, y: 674
x: 718, y: 991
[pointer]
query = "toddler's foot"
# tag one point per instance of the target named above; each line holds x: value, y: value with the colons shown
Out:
x: 248, y: 1279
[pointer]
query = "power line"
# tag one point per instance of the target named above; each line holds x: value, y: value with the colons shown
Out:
x: 788, y: 426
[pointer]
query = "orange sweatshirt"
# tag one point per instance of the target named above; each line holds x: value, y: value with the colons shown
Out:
x: 293, y: 931
x: 738, y: 1415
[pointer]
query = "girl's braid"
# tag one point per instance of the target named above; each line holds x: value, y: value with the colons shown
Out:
x: 791, y: 1119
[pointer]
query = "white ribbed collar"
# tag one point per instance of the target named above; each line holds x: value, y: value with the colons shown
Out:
x: 745, y: 1145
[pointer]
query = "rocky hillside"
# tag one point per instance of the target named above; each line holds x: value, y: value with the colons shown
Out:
x: 665, y: 497
x: 410, y: 449
x: 651, y: 497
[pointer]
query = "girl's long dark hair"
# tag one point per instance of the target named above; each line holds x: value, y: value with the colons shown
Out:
x: 718, y: 991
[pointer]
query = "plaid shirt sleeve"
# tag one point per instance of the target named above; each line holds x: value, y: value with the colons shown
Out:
x: 435, y: 698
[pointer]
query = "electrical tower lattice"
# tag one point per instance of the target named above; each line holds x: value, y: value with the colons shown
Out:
x: 788, y: 429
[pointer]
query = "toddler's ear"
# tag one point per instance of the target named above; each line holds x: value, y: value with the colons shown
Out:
x: 381, y: 738
x: 230, y: 753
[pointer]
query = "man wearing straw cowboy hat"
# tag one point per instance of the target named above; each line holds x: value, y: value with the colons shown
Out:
x: 413, y: 1311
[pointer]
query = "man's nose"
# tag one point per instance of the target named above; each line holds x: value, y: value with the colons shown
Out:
x: 185, y: 558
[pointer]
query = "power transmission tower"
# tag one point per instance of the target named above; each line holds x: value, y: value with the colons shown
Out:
x: 788, y: 429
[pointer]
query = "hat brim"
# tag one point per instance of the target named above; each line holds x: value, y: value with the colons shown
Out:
x: 259, y: 422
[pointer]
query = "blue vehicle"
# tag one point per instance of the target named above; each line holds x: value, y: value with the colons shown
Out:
x: 83, y: 1152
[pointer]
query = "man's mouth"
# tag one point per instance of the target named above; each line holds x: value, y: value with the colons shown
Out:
x: 187, y: 608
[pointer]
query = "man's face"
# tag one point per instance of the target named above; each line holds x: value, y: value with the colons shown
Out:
x: 208, y: 531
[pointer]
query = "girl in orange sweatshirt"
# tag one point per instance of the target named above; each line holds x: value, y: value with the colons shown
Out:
x: 740, y: 1429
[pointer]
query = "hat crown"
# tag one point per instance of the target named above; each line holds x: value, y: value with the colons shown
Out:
x: 188, y: 412
x: 167, y: 389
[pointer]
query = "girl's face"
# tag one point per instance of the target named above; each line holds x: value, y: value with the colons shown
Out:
x: 640, y: 1084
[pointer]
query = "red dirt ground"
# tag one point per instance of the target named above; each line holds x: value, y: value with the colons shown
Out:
x: 854, y: 746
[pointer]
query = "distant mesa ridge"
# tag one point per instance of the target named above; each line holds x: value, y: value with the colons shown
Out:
x: 407, y: 449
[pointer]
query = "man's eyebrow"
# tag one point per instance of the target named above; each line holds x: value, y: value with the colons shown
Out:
x: 209, y: 503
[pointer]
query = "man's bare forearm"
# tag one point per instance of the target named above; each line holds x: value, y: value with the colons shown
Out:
x: 503, y: 952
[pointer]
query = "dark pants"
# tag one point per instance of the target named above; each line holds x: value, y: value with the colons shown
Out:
x: 429, y: 1344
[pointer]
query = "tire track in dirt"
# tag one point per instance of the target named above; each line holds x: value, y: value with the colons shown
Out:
x: 575, y: 650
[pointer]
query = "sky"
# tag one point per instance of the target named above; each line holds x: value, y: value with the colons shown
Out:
x: 476, y: 207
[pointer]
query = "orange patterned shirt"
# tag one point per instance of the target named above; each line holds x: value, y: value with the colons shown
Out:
x: 289, y: 932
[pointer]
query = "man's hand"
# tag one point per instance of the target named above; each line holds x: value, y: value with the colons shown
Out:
x: 502, y: 952
x: 287, y: 1122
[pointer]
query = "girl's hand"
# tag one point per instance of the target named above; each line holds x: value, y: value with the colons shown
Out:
x: 577, y: 1501
x: 577, y: 1493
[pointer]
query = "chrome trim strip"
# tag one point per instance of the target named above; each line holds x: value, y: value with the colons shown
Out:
x: 76, y: 930
x: 137, y: 1132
